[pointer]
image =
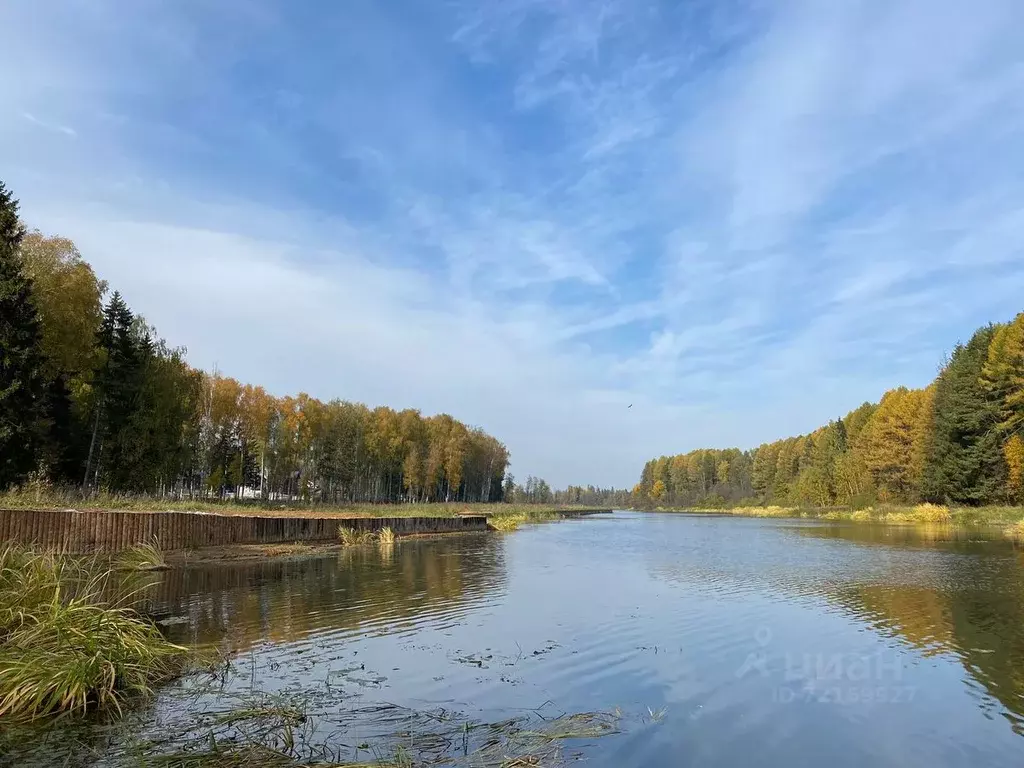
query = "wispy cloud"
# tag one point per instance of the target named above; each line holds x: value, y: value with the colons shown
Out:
x: 743, y: 217
x: 49, y: 126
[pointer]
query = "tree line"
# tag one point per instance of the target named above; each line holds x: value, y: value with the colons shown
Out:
x: 960, y: 440
x: 537, y: 491
x: 91, y: 396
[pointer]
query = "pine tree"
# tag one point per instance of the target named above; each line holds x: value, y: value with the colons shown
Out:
x: 22, y: 386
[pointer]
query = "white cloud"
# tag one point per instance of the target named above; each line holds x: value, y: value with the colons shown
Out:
x: 741, y: 219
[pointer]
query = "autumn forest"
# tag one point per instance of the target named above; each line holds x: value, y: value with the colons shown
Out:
x: 960, y: 440
x: 92, y: 397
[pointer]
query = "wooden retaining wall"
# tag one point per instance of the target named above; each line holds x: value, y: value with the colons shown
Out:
x: 103, y: 531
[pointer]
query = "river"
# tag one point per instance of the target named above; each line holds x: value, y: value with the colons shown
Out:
x: 717, y: 641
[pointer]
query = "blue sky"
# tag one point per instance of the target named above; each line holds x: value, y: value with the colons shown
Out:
x: 743, y: 217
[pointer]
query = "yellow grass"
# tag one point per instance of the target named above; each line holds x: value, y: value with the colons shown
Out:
x: 507, y: 523
x: 1015, y: 532
x: 932, y: 514
x: 353, y: 538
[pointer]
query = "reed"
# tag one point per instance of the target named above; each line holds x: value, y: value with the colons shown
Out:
x: 507, y: 523
x: 350, y: 537
x: 386, y: 536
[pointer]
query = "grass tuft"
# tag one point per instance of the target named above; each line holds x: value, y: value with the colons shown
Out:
x: 386, y: 536
x: 66, y: 649
x: 506, y: 523
x: 142, y: 557
x: 350, y: 537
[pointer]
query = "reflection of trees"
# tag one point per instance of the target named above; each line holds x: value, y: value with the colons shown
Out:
x: 939, y: 589
x: 970, y: 607
x: 362, y: 589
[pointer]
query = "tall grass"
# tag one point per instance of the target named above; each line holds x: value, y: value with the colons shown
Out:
x: 386, y: 536
x: 142, y: 557
x: 506, y: 522
x: 64, y: 648
x: 350, y: 537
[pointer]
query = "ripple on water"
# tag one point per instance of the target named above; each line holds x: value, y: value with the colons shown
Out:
x: 726, y: 641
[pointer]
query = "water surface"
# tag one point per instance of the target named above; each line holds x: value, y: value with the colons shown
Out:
x: 723, y: 641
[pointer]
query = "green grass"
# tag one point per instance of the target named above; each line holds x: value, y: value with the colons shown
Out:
x: 45, y: 497
x: 142, y: 557
x: 64, y: 648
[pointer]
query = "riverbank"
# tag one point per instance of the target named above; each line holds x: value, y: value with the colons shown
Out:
x: 1009, y: 517
x: 82, y: 531
x: 50, y: 499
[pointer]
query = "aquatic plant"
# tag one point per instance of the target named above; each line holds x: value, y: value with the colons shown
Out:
x: 64, y: 647
x: 146, y: 556
x: 506, y: 523
x: 280, y: 731
x: 386, y: 536
x: 350, y: 537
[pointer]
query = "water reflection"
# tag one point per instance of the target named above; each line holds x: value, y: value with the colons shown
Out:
x: 702, y: 619
x: 968, y: 601
x: 359, y: 591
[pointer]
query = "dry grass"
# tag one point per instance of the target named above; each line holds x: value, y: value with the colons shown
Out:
x: 770, y: 511
x: 278, y: 731
x: 386, y: 536
x: 931, y: 514
x: 350, y: 537
x: 506, y: 523
x: 46, y: 497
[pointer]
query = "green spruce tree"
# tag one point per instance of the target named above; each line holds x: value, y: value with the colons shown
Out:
x: 964, y: 461
x: 113, y: 446
x: 22, y: 386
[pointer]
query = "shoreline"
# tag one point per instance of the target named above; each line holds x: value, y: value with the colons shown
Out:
x: 111, y: 531
x: 1010, y: 519
x: 249, y: 553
